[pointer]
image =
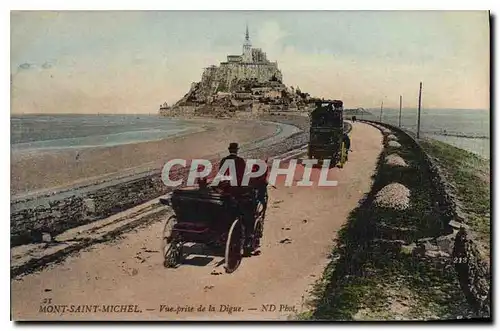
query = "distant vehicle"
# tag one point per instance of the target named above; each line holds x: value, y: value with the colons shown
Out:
x: 326, y: 133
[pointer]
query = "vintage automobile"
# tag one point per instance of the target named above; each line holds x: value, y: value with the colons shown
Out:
x: 212, y: 217
x: 327, y: 133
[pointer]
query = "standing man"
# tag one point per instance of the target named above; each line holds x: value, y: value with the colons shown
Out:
x: 239, y: 162
x: 347, y: 142
x: 244, y: 201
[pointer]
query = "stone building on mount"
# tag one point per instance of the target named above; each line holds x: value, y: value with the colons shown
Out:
x: 237, y: 73
x: 247, y: 82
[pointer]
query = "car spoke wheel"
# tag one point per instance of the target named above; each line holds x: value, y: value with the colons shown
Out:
x: 234, y: 246
x: 171, y: 249
x: 257, y: 233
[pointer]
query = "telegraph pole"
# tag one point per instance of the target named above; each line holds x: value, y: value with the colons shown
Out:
x: 419, y: 108
x: 381, y: 109
x: 400, y: 105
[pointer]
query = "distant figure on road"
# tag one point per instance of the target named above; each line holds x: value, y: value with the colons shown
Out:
x: 354, y: 118
x: 347, y: 142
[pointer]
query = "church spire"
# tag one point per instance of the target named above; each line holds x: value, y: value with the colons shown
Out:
x: 247, y: 47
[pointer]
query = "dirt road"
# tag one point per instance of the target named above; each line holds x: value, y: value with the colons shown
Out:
x: 300, y: 225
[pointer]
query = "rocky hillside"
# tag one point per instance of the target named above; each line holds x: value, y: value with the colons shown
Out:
x: 248, y: 95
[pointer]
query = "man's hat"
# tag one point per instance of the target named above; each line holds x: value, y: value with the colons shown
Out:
x: 233, y: 146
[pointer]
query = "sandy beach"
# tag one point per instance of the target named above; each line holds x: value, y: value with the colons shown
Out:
x: 52, y: 169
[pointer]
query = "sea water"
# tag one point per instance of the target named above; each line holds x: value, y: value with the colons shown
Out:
x: 48, y: 132
x: 468, y: 129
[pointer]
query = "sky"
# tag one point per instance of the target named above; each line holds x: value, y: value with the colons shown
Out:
x: 131, y: 62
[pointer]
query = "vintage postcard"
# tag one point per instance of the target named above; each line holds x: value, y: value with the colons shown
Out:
x: 250, y: 166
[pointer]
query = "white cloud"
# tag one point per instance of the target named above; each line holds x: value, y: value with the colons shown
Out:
x: 270, y: 36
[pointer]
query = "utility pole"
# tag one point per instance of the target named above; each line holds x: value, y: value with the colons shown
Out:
x: 400, y: 105
x: 419, y: 108
x: 381, y: 109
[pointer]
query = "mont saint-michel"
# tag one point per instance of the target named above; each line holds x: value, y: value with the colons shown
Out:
x: 248, y: 81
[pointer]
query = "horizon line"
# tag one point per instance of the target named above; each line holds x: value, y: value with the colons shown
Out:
x: 157, y: 113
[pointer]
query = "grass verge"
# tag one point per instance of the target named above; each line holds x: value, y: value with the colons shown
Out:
x: 374, y: 274
x: 469, y: 176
